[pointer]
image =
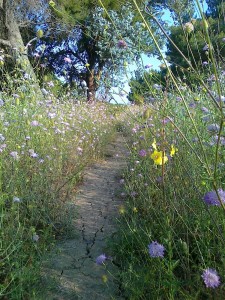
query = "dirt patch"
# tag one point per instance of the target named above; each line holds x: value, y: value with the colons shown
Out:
x: 72, y: 268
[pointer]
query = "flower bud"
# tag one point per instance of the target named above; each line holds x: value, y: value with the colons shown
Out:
x: 39, y: 33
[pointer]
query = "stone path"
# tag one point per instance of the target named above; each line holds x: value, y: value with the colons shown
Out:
x: 72, y: 266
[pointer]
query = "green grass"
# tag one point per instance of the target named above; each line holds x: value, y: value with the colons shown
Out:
x: 44, y: 148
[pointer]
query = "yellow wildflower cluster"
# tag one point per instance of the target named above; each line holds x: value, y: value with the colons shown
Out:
x: 159, y: 157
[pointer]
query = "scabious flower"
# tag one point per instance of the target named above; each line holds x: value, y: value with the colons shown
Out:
x: 205, y: 109
x: 101, y: 259
x: 206, y: 47
x: 34, y: 123
x: 67, y: 59
x: 188, y: 27
x: 159, y: 157
x: 122, y: 44
x: 211, y: 198
x: 156, y: 250
x: 213, y: 128
x: 15, y: 155
x: 142, y: 153
x: 211, y: 278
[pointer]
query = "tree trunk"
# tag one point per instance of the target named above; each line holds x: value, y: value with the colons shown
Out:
x: 10, y: 39
x: 91, y: 86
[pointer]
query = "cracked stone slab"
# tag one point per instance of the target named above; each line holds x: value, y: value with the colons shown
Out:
x: 72, y: 264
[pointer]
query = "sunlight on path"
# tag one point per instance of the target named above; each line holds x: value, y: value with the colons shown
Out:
x: 73, y: 265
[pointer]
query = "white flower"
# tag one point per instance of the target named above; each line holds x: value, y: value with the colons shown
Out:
x: 35, y: 237
x: 16, y: 200
x: 188, y: 27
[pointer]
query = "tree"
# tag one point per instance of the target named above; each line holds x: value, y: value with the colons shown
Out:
x: 10, y: 35
x: 216, y: 9
x: 195, y: 48
x: 98, y: 48
x: 145, y: 85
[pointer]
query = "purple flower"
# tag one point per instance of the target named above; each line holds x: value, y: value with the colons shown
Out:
x: 213, y: 128
x: 67, y: 59
x: 101, y: 259
x: 148, y: 66
x: 206, y: 47
x: 211, y: 278
x: 211, y: 198
x: 34, y: 123
x: 156, y: 250
x: 142, y: 153
x: 15, y: 155
x: 122, y: 44
x: 204, y: 109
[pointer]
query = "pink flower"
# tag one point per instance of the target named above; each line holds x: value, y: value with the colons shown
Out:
x: 67, y: 59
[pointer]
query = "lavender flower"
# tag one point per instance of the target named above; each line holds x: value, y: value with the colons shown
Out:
x: 122, y: 44
x: 67, y: 59
x: 15, y: 155
x: 156, y: 250
x: 206, y: 47
x: 211, y: 278
x: 213, y: 128
x: 142, y: 153
x: 34, y: 123
x: 211, y: 198
x: 101, y: 259
x: 205, y: 109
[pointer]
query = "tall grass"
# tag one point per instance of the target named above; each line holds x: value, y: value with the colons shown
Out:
x: 171, y: 233
x: 44, y: 146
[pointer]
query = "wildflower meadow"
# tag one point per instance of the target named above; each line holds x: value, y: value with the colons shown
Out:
x: 58, y: 81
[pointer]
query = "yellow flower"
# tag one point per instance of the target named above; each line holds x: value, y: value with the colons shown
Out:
x: 122, y: 209
x: 51, y: 3
x: 173, y: 150
x: 104, y: 278
x: 87, y: 65
x: 135, y: 210
x: 159, y: 157
x: 154, y: 144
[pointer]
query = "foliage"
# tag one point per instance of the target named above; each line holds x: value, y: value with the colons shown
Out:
x: 215, y: 9
x: 146, y: 85
x: 194, y: 47
x: 94, y: 52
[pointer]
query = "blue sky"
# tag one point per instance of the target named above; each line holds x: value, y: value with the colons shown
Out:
x: 151, y: 60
